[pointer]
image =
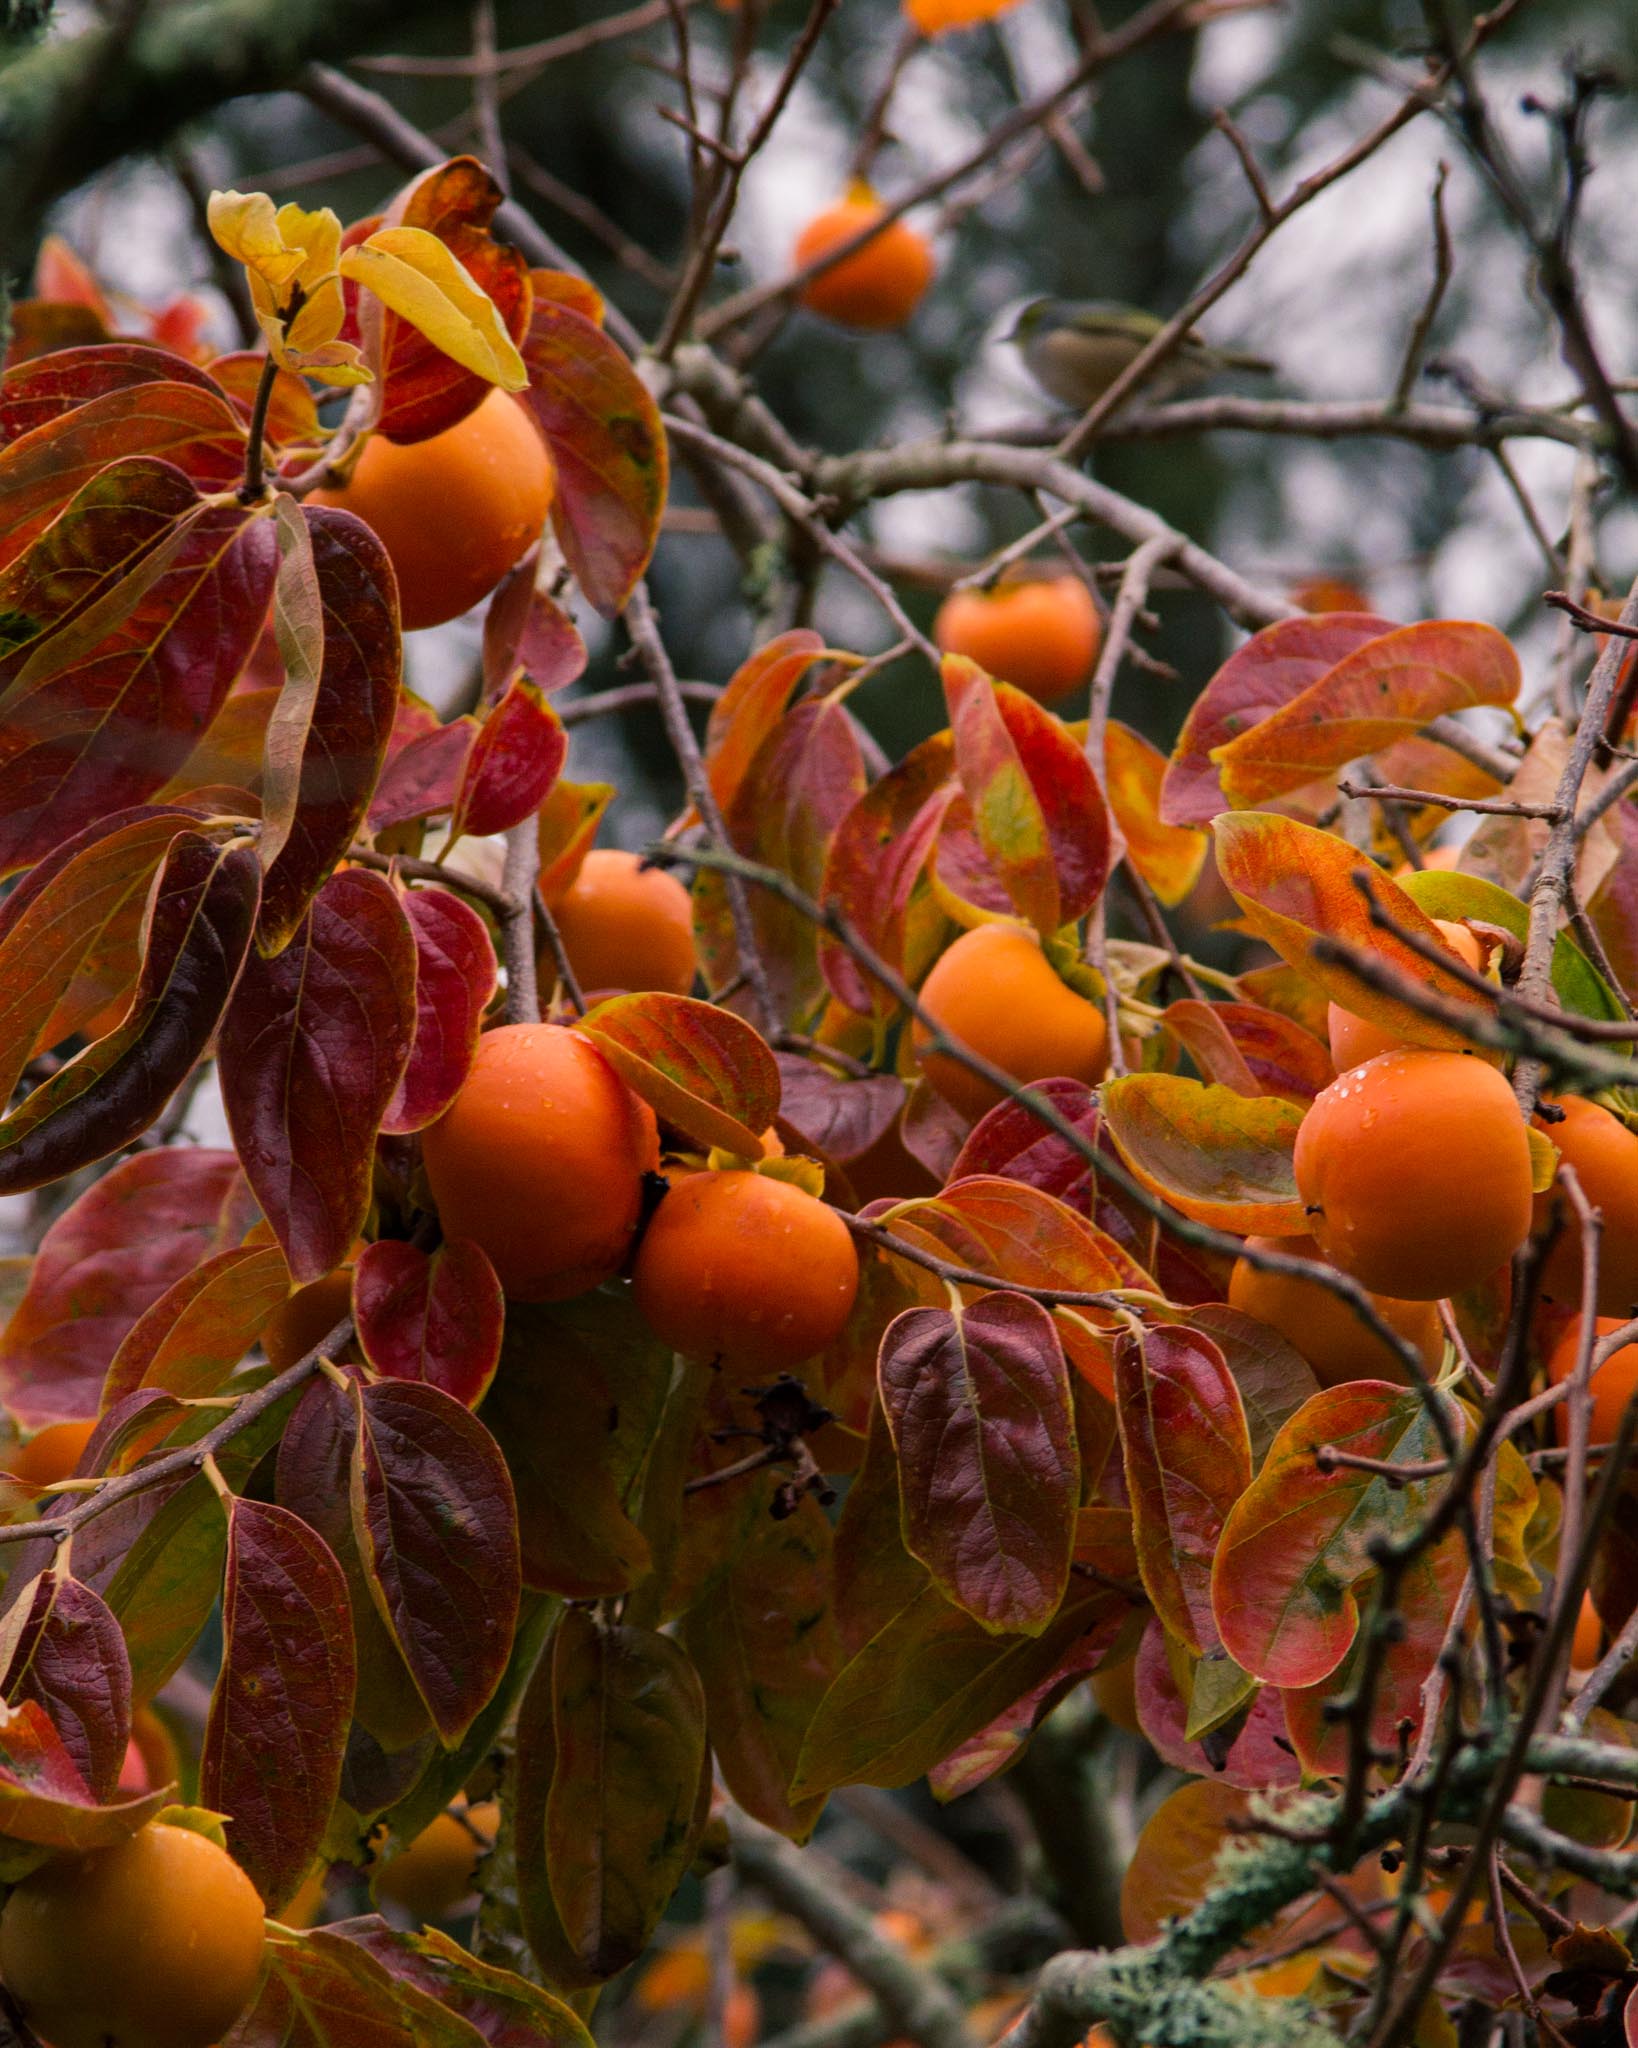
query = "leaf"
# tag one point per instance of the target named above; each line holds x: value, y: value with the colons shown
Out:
x: 107, y: 1257
x: 423, y: 773
x: 1385, y: 690
x: 575, y: 1407
x: 190, y: 1340
x: 80, y: 1674
x: 766, y: 1650
x: 43, y: 389
x: 875, y: 859
x: 283, y: 1697
x: 1579, y: 985
x: 312, y: 1050
x: 1037, y: 808
x: 568, y: 824
x: 608, y: 446
x: 1222, y: 1158
x: 622, y: 1815
x: 455, y: 977
x: 71, y: 933
x: 328, y: 735
x: 1284, y: 1587
x: 1013, y: 1142
x: 994, y: 1748
x: 1175, y: 1862
x: 525, y: 629
x: 506, y: 2010
x: 927, y: 1682
x: 1268, y: 671
x: 199, y: 923
x: 187, y: 423
x: 434, y: 1518
x: 1251, y: 1050
x: 517, y: 755
x: 432, y: 1317
x: 413, y: 273
x: 700, y: 1069
x: 320, y: 1990
x: 155, y: 653
x: 1188, y: 1460
x: 45, y: 1800
x: 836, y: 1114
x: 752, y: 704
x: 1273, y: 1377
x: 978, y: 1402
x: 1259, y: 1754
x: 1296, y: 884
x: 1168, y: 857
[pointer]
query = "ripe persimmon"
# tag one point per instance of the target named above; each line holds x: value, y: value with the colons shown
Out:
x: 51, y: 1454
x: 1612, y: 1386
x: 740, y: 1266
x: 154, y: 1944
x: 1330, y: 594
x: 1587, y: 1643
x: 1604, y: 1153
x: 540, y: 1160
x: 996, y: 992
x: 1415, y: 1171
x: 1041, y: 635
x: 439, y: 1868
x: 1323, y: 1327
x: 1354, y: 1040
x: 453, y: 512
x: 626, y: 926
x: 881, y: 284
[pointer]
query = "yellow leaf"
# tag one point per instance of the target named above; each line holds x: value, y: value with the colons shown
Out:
x: 415, y: 275
x: 246, y: 227
x: 1543, y: 1161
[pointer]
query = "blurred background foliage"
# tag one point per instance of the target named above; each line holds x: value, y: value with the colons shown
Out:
x: 1139, y: 204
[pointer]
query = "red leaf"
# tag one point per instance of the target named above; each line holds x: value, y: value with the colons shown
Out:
x: 283, y: 1698
x: 312, y: 1050
x: 203, y: 906
x: 108, y: 1256
x: 43, y: 1797
x: 423, y: 776
x: 752, y: 704
x: 525, y: 629
x: 978, y: 1402
x: 506, y: 2010
x: 44, y: 389
x: 1037, y: 807
x: 431, y: 1317
x: 876, y: 857
x: 328, y: 735
x: 1012, y: 1141
x: 434, y: 1517
x: 839, y: 1116
x: 79, y: 1672
x: 1298, y: 1541
x: 1272, y: 667
x: 1259, y: 1755
x: 1251, y: 1050
x: 1188, y: 1460
x: 190, y: 1340
x: 518, y: 754
x: 455, y: 976
x: 155, y: 655
x: 1383, y: 691
x: 603, y: 428
x: 189, y: 424
x: 700, y: 1068
x: 984, y: 1755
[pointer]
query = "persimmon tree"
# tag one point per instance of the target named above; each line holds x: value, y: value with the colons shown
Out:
x: 673, y: 1343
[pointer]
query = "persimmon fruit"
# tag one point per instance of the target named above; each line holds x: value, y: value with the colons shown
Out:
x: 1604, y: 1153
x: 454, y: 512
x: 439, y: 1868
x: 1612, y: 1386
x: 51, y: 1454
x: 1587, y: 1643
x: 1040, y: 635
x: 1354, y: 1040
x: 1415, y: 1172
x: 154, y: 1944
x: 995, y: 992
x: 743, y: 1267
x: 881, y: 284
x: 626, y: 926
x: 540, y: 1160
x: 1320, y: 1325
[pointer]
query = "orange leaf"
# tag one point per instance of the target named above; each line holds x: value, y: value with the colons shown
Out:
x: 1168, y: 857
x: 1222, y: 1158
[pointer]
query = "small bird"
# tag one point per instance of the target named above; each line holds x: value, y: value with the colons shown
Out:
x: 1076, y: 348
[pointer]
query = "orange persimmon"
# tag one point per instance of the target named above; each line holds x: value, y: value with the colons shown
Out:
x: 626, y: 926
x: 1321, y: 1325
x: 1040, y: 634
x: 881, y: 284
